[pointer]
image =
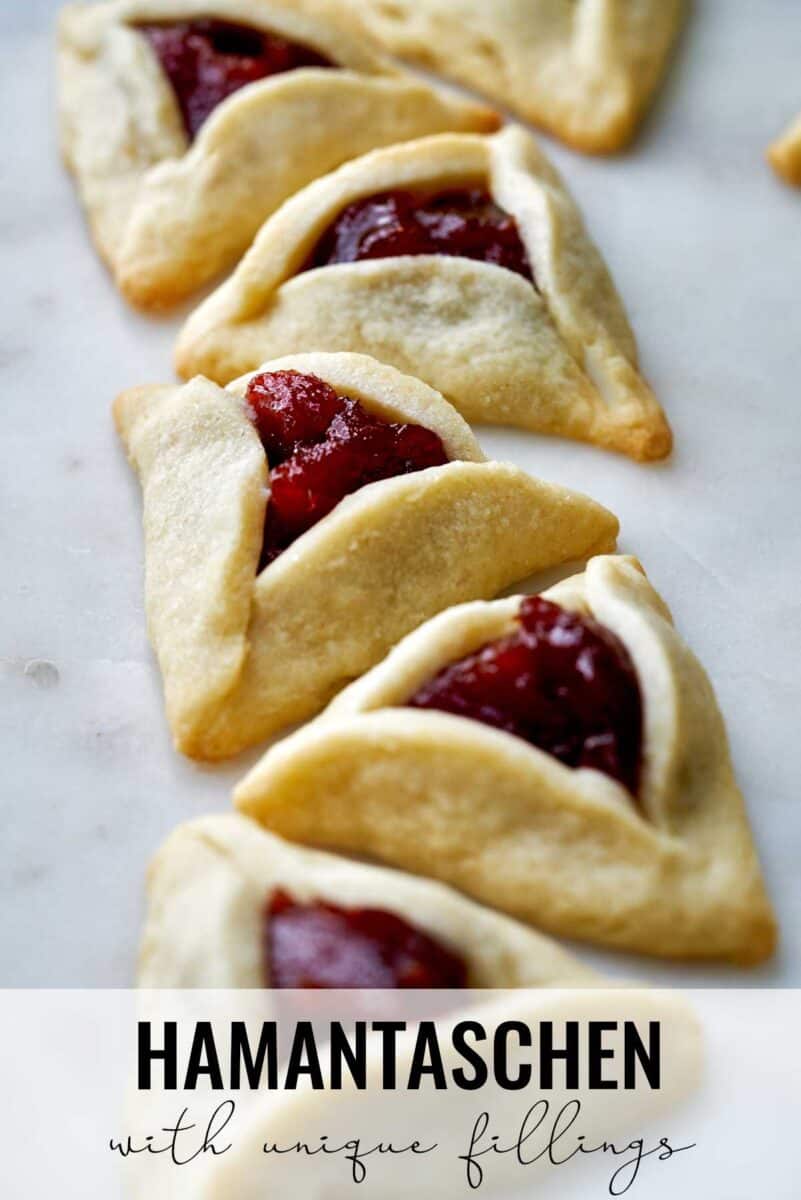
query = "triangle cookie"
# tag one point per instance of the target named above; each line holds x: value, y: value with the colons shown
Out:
x: 269, y: 587
x: 187, y: 124
x: 584, y: 70
x: 627, y: 830
x: 232, y: 911
x: 516, y: 321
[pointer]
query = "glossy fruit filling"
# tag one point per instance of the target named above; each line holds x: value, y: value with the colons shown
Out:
x: 208, y: 60
x: 562, y: 682
x: 322, y: 447
x: 319, y: 945
x: 462, y: 224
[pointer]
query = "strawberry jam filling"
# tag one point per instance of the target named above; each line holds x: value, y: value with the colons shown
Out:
x: 462, y: 224
x: 322, y: 447
x: 562, y: 682
x: 208, y: 60
x: 319, y: 945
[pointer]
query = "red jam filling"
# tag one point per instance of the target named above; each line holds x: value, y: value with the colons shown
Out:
x: 320, y: 945
x: 208, y: 60
x: 562, y: 682
x: 462, y: 224
x: 322, y: 447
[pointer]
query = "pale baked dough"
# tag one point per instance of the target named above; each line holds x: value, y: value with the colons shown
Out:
x: 785, y: 154
x: 673, y: 874
x: 244, y: 656
x: 584, y: 70
x: 168, y: 216
x: 202, y: 959
x: 561, y: 360
x: 207, y: 895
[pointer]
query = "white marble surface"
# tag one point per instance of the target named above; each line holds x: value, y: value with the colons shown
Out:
x: 706, y: 247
